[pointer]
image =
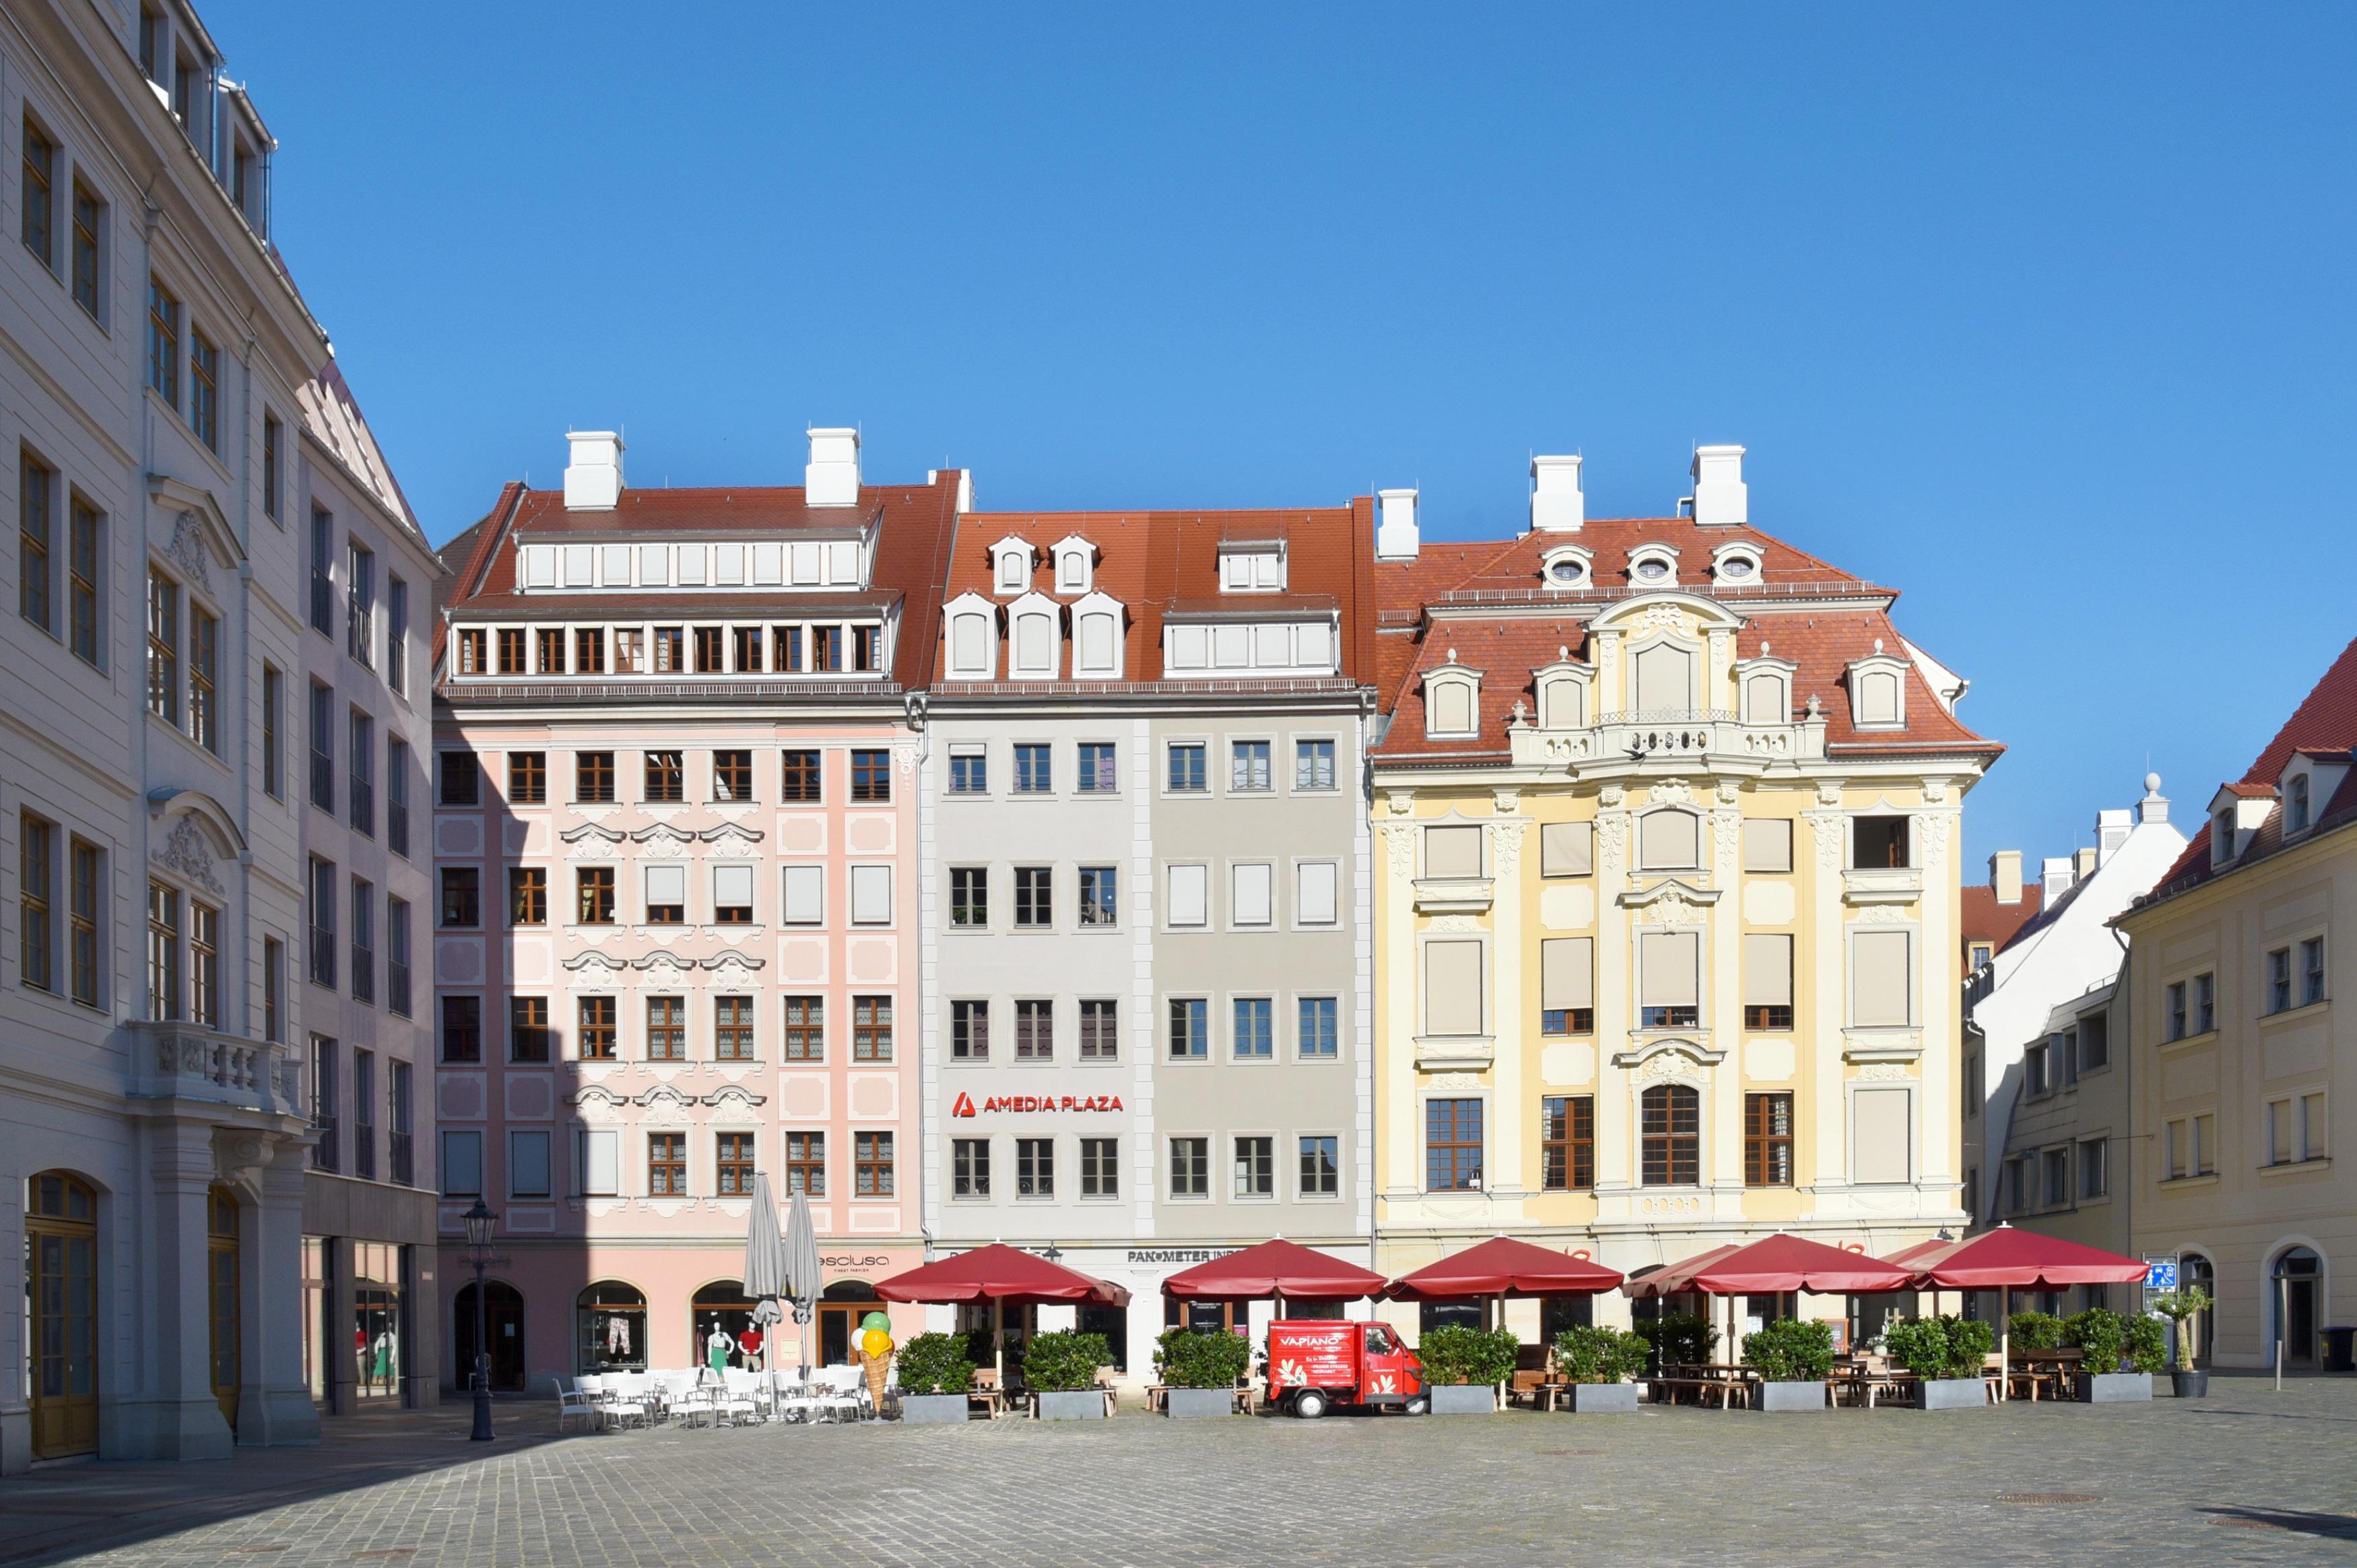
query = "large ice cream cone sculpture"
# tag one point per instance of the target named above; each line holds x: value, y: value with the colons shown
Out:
x: 875, y: 1350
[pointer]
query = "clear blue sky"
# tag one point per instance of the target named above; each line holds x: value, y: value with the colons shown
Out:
x: 2042, y: 314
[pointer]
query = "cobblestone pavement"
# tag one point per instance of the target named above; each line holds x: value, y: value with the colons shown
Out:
x: 2246, y: 1476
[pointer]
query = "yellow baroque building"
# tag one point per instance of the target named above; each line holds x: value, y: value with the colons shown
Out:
x: 1666, y: 919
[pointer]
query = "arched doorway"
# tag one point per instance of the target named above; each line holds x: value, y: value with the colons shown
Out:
x: 503, y: 1322
x: 840, y: 1307
x: 62, y: 1311
x: 221, y: 1352
x: 2195, y: 1271
x: 2295, y: 1283
x: 610, y: 1328
x: 721, y: 1304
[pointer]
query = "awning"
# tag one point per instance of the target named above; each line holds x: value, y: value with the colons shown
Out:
x: 1773, y: 1265
x: 2005, y: 1258
x: 1273, y: 1269
x: 998, y: 1273
x: 1503, y: 1266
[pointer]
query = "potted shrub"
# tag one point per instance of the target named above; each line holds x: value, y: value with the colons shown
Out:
x: 1463, y: 1368
x: 1598, y: 1363
x: 1946, y: 1355
x: 1677, y: 1340
x: 2034, y: 1331
x: 1061, y: 1370
x: 935, y: 1373
x: 1793, y: 1356
x: 1201, y: 1369
x: 2180, y: 1307
x: 2106, y: 1375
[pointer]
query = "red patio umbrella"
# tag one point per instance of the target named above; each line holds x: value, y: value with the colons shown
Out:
x: 2006, y: 1259
x: 1772, y: 1266
x: 998, y: 1274
x: 1275, y: 1269
x: 1503, y: 1266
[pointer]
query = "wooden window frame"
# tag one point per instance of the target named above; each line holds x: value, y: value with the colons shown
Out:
x: 1567, y: 1143
x: 596, y: 1032
x: 1767, y: 1153
x: 667, y: 1164
x: 1670, y: 1118
x: 667, y: 1028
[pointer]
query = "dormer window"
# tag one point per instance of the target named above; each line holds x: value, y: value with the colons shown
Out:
x: 1010, y: 566
x: 1877, y: 691
x: 1452, y: 700
x: 1737, y: 565
x: 1653, y: 567
x: 1038, y: 647
x: 2295, y: 804
x: 1563, y: 691
x: 1765, y: 685
x: 2221, y: 837
x: 972, y: 638
x: 1075, y: 566
x: 1096, y: 638
x: 1253, y: 569
x: 1565, y: 568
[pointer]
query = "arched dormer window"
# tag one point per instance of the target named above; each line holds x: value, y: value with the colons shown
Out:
x: 972, y: 623
x: 1735, y: 564
x: 1096, y: 637
x: 1663, y: 677
x: 1035, y: 634
x: 1565, y: 568
x: 1075, y: 565
x: 1877, y: 691
x: 1010, y: 566
x: 1452, y: 700
x: 1653, y: 567
x: 1562, y: 691
x: 1764, y: 688
x: 1669, y: 838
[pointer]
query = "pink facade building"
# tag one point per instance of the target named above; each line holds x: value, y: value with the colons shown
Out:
x: 676, y: 941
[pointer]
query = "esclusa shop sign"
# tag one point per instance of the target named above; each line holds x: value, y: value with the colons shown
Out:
x: 995, y: 1103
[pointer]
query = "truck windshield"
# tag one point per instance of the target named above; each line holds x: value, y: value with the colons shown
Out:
x: 1379, y: 1341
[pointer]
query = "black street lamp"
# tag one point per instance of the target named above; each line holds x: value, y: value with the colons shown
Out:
x: 479, y: 1221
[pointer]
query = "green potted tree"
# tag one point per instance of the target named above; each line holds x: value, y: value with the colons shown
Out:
x: 1946, y: 1355
x: 2180, y: 1307
x: 1677, y: 1340
x: 1061, y: 1370
x: 2115, y: 1363
x: 935, y: 1373
x: 1463, y: 1368
x: 1598, y: 1363
x: 1200, y: 1369
x: 1793, y: 1356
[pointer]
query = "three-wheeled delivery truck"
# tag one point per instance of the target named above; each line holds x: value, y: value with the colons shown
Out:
x: 1316, y: 1365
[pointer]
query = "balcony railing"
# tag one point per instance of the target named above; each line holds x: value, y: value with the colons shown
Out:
x: 324, y: 1153
x: 398, y: 1164
x: 185, y: 1061
x: 1696, y: 737
x: 364, y: 1151
x: 396, y: 989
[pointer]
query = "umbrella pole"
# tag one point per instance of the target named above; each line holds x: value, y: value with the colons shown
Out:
x: 2005, y: 1346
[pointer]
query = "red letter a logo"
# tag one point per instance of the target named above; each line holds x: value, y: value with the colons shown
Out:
x: 964, y: 1106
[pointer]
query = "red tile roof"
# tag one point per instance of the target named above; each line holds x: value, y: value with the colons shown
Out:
x: 1986, y: 920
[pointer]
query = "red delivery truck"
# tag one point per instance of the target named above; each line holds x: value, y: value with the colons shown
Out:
x: 1315, y: 1364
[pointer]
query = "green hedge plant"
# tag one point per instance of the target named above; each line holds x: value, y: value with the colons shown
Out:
x: 1678, y: 1339
x: 1454, y: 1354
x: 2148, y: 1344
x: 1946, y: 1348
x: 1064, y: 1361
x: 1196, y: 1358
x: 1792, y: 1350
x: 1595, y: 1355
x: 2035, y: 1330
x: 935, y: 1364
x: 2101, y: 1335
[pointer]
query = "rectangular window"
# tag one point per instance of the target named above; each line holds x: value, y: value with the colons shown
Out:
x: 1033, y: 898
x: 363, y: 940
x: 1567, y: 1143
x: 1879, y: 843
x: 871, y: 1028
x: 527, y: 778
x: 1313, y: 765
x: 1452, y: 852
x: 1567, y: 985
x: 1100, y: 894
x: 163, y: 952
x: 2205, y: 1145
x: 1098, y: 774
x: 396, y: 635
x: 273, y: 990
x: 274, y: 436
x: 871, y: 894
x: 1035, y: 1030
x: 1256, y: 1029
x: 1321, y: 1167
x: 39, y: 220
x: 589, y: 651
x: 1317, y: 1035
x: 323, y: 746
x: 1881, y: 970
x: 1034, y: 1167
x: 323, y: 599
x: 528, y: 1165
x: 36, y: 877
x: 462, y: 898
x: 666, y: 1028
x: 733, y: 1158
x: 396, y: 797
x: 1454, y: 977
x: 527, y: 896
x: 323, y: 922
x: 1767, y: 845
x: 593, y: 887
x: 1187, y: 775
x: 805, y: 896
x: 89, y: 224
x: 629, y: 650
x: 462, y: 1029
x: 671, y: 651
x: 785, y: 649
x: 666, y: 777
x: 1190, y: 896
x: 204, y: 390
x: 364, y: 1116
x: 164, y: 343
x: 871, y: 776
x: 969, y: 1167
x: 2094, y: 1168
x: 85, y: 557
x: 2278, y: 1132
x: 1315, y: 884
x: 163, y: 648
x: 1190, y: 1028
x: 528, y: 1032
x: 969, y: 897
x: 360, y: 786
x: 667, y: 1164
x: 462, y: 1164
x: 1099, y: 1030
x: 1452, y: 1145
x: 868, y: 647
x: 1255, y: 1167
x: 970, y: 1031
x: 826, y: 649
x: 1567, y: 849
x: 711, y: 649
x: 798, y: 778
x: 397, y: 938
x: 512, y: 650
x: 871, y: 1164
x: 1670, y: 1137
x: 2205, y: 1004
x: 2055, y: 1164
x: 401, y: 1166
x: 666, y: 887
x: 1100, y: 1168
x: 2095, y: 1042
x: 1251, y: 896
x: 1248, y: 767
x: 37, y: 489
x: 969, y: 772
x: 806, y: 1164
x: 732, y: 1028
x: 470, y: 648
x: 805, y: 1029
x: 1034, y: 770
x: 1767, y: 1140
x: 1767, y: 981
x: 593, y: 777
x: 2176, y: 1015
x: 1191, y: 1167
x: 2311, y: 970
x: 85, y: 878
x: 732, y: 776
x: 204, y: 965
x: 273, y: 699
x: 2313, y: 1143
x: 326, y: 1101
x: 2279, y: 981
x: 548, y: 648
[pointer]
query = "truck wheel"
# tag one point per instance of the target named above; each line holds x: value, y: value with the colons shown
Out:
x: 1309, y: 1404
x: 1420, y: 1405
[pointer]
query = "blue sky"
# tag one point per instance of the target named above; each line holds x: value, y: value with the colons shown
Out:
x: 2042, y: 314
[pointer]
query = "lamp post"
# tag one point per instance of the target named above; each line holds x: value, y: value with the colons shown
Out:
x: 479, y: 1221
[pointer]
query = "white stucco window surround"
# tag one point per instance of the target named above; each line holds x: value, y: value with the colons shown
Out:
x: 1076, y: 561
x: 969, y: 625
x: 1567, y: 567
x: 1316, y: 895
x: 1097, y: 640
x: 1653, y: 567
x: 1882, y: 1143
x: 1669, y: 838
x: 1884, y: 993
x: 1252, y: 566
x: 1565, y: 692
x: 1452, y: 700
x: 1736, y: 565
x: 1454, y: 1005
x: 1252, y: 894
x: 1763, y: 688
x: 871, y: 894
x: 1185, y: 895
x: 1035, y: 634
x: 804, y: 895
x: 1453, y: 874
x: 1011, y: 561
x: 1877, y: 691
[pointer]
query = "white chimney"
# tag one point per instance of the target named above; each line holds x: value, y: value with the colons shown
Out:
x: 2113, y: 826
x: 1720, y: 496
x: 593, y: 479
x: 2059, y: 876
x: 831, y: 478
x: 2154, y: 807
x: 1557, y: 504
x: 1396, y: 537
x: 2005, y: 876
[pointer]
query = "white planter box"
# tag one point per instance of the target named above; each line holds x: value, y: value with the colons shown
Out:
x: 933, y: 1410
x: 2115, y: 1388
x: 1189, y: 1404
x: 1464, y: 1399
x: 1085, y: 1404
x: 1604, y: 1398
x: 1789, y: 1398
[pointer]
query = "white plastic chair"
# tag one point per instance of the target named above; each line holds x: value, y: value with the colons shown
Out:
x: 739, y: 1399
x: 620, y: 1397
x: 574, y: 1400
x: 796, y: 1400
x: 840, y: 1398
x: 683, y: 1398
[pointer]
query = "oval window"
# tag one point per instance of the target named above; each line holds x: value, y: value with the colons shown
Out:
x: 1737, y: 567
x: 1652, y: 571
x: 1565, y: 572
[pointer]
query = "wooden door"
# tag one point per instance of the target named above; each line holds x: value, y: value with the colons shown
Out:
x: 221, y: 1348
x: 61, y: 1247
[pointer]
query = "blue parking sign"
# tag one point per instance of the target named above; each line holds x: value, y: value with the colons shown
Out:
x: 2160, y: 1273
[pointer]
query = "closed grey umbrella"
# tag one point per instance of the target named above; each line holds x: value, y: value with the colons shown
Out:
x: 765, y: 1257
x: 802, y: 1271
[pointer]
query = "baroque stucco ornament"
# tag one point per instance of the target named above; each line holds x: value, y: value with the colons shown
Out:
x: 189, y: 551
x: 185, y: 851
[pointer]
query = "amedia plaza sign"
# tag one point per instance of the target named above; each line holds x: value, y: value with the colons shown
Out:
x: 1034, y: 1103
